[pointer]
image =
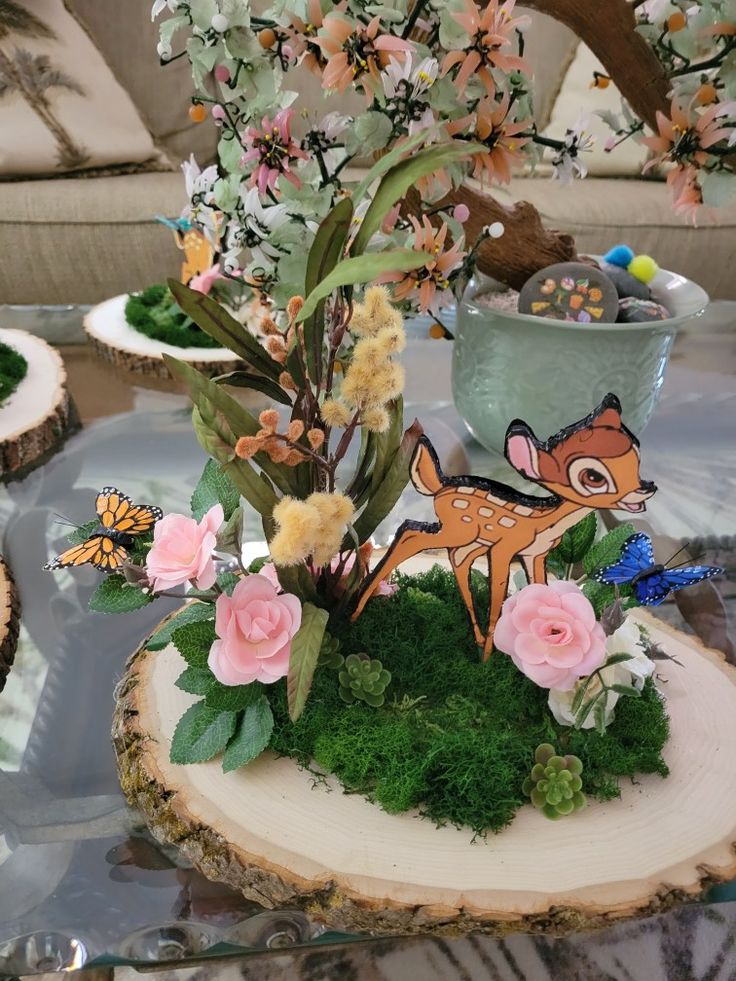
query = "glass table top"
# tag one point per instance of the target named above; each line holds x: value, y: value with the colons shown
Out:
x: 81, y: 881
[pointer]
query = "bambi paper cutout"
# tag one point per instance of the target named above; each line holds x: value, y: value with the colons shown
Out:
x: 199, y: 253
x: 592, y: 464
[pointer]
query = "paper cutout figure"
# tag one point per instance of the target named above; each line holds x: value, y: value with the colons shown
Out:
x: 652, y: 581
x: 591, y: 464
x: 199, y: 253
x: 107, y: 547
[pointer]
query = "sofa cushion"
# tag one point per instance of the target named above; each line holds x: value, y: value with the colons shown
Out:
x: 60, y: 101
x: 83, y: 240
x: 127, y: 37
x: 601, y: 212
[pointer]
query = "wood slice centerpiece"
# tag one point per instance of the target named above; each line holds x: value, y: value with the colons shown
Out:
x: 115, y: 340
x: 40, y: 414
x: 287, y: 840
x: 9, y: 621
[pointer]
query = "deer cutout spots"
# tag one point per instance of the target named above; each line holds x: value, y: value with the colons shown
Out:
x: 506, y: 522
x: 461, y: 505
x: 486, y: 513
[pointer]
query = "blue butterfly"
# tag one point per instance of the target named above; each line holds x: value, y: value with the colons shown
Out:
x: 651, y: 581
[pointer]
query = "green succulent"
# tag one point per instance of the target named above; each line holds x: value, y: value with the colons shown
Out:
x: 555, y: 784
x: 364, y: 679
x: 329, y: 653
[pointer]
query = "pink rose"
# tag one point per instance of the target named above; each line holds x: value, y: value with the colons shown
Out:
x: 255, y: 627
x: 183, y: 550
x: 551, y: 634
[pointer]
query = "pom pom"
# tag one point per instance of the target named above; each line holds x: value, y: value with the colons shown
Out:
x: 247, y: 446
x: 220, y: 23
x: 643, y: 267
x: 293, y: 307
x: 269, y: 419
x: 315, y: 438
x: 295, y: 430
x: 461, y: 213
x: 619, y: 255
x: 335, y: 413
x: 222, y: 73
x: 496, y: 230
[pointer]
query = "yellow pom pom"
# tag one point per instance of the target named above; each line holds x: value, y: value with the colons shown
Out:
x: 643, y: 267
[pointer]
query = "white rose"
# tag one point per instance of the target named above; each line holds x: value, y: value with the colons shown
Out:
x: 634, y: 672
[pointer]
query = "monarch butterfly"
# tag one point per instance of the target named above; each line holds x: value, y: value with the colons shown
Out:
x: 107, y: 547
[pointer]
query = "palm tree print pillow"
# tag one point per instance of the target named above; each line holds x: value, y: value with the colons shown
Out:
x: 61, y: 109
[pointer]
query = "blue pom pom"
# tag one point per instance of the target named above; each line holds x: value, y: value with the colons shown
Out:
x: 619, y: 255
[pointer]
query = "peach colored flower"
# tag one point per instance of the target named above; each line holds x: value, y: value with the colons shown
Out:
x: 183, y: 550
x: 255, y: 627
x: 686, y: 192
x: 685, y: 137
x: 204, y: 282
x: 551, y: 634
x: 274, y: 149
x: 301, y: 35
x: 354, y: 52
x: 428, y: 284
x: 489, y: 32
x: 500, y: 137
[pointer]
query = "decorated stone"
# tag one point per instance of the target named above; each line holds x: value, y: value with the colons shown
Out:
x: 572, y: 291
x: 626, y: 284
x: 634, y: 311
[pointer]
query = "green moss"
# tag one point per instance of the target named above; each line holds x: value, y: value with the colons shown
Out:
x: 13, y: 369
x: 456, y: 737
x: 154, y: 312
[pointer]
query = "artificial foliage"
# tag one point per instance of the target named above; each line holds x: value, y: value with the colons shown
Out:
x: 455, y: 736
x: 13, y: 369
x: 155, y: 313
x: 555, y: 784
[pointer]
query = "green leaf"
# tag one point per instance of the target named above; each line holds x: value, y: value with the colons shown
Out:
x: 214, y: 487
x: 193, y: 641
x: 363, y: 269
x: 626, y: 690
x: 230, y: 535
x: 305, y: 648
x: 389, y: 490
x: 218, y: 323
x: 227, y: 581
x: 618, y: 659
x: 298, y: 580
x: 576, y: 541
x: 403, y: 176
x: 252, y: 736
x: 600, y: 595
x: 116, y: 595
x: 201, y: 733
x: 386, y: 163
x: 196, y: 681
x: 82, y: 533
x: 233, y: 698
x: 192, y: 613
x: 388, y: 443
x: 257, y: 383
x: 324, y: 254
x: 608, y: 549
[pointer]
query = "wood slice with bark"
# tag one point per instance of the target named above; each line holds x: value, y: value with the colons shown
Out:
x: 116, y: 341
x: 9, y: 621
x: 287, y: 840
x: 40, y: 413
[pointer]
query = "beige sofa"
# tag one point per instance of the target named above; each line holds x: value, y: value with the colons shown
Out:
x: 79, y: 240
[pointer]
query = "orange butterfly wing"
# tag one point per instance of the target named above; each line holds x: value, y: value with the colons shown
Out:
x: 117, y: 512
x: 98, y: 551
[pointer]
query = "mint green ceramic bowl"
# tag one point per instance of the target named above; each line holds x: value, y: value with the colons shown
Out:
x: 550, y: 373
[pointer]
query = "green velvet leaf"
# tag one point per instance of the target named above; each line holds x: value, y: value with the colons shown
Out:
x: 363, y: 269
x: 230, y: 535
x: 83, y: 532
x: 192, y: 613
x: 251, y: 737
x: 305, y: 648
x: 194, y: 640
x: 201, y: 733
x: 196, y: 681
x: 383, y: 499
x: 257, y: 383
x: 401, y: 178
x: 577, y: 541
x: 115, y: 595
x: 218, y: 323
x: 214, y: 487
x: 233, y: 698
x: 607, y: 550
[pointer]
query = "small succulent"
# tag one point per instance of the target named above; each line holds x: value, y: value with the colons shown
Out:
x: 329, y: 653
x: 363, y: 679
x: 555, y: 786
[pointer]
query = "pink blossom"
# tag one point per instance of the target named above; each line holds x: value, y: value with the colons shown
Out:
x: 274, y: 149
x: 255, y: 627
x: 183, y: 550
x: 204, y: 282
x: 551, y: 634
x: 461, y: 213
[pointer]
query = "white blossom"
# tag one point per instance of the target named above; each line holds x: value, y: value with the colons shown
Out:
x: 253, y: 229
x: 566, y: 161
x: 160, y: 5
x: 633, y: 673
